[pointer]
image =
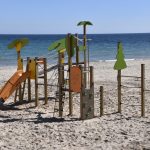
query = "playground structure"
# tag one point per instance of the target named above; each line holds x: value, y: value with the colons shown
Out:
x: 73, y: 77
x: 71, y: 74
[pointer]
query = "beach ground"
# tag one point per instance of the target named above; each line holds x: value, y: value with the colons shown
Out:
x: 26, y: 127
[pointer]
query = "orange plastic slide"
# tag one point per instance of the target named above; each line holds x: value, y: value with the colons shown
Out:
x: 12, y: 84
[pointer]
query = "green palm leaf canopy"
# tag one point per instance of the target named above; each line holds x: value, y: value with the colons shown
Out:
x: 58, y: 45
x: 62, y: 44
x: 14, y: 43
x: 84, y: 23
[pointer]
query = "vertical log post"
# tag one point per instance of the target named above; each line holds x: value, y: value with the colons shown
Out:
x: 60, y: 76
x: 45, y: 80
x: 85, y: 53
x: 92, y: 86
x: 119, y: 91
x: 81, y: 93
x: 29, y: 80
x: 69, y: 65
x: 36, y: 83
x: 143, y: 90
x: 101, y: 101
x: 77, y: 50
x: 20, y: 93
x: 91, y: 76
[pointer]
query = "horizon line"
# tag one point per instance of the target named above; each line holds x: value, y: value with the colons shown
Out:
x: 72, y: 33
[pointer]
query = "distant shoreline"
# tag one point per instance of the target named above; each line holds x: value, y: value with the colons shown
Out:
x: 72, y: 33
x: 14, y: 64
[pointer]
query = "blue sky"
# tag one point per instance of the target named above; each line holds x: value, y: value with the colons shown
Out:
x: 61, y: 16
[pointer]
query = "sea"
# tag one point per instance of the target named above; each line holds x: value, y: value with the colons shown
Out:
x: 102, y: 47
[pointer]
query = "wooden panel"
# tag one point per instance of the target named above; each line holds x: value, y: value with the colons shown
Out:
x: 75, y: 79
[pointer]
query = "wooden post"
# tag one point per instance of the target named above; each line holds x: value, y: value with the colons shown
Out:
x: 85, y: 61
x: 81, y: 94
x: 29, y: 80
x: 36, y: 83
x: 91, y: 76
x: 69, y: 65
x: 77, y: 50
x: 60, y: 76
x: 101, y: 101
x: 143, y: 90
x: 20, y: 87
x: 45, y: 80
x: 20, y: 93
x: 119, y: 91
x: 92, y: 86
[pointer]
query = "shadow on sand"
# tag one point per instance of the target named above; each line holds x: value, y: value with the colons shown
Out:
x: 37, y: 120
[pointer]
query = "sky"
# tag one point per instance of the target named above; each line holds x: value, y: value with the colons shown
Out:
x: 62, y: 16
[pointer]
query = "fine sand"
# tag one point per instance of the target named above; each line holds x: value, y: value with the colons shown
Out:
x: 25, y: 127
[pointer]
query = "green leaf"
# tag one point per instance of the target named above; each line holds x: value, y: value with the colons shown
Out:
x: 84, y: 23
x: 120, y: 63
x: 59, y: 45
x: 62, y: 44
x: 23, y: 41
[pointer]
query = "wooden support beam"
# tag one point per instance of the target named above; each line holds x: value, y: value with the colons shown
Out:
x: 77, y: 50
x: 45, y: 80
x: 36, y: 83
x: 81, y: 94
x: 20, y: 93
x: 60, y: 82
x: 143, y: 90
x: 29, y: 80
x: 69, y: 65
x: 91, y: 76
x: 101, y: 101
x: 119, y: 91
x: 92, y: 87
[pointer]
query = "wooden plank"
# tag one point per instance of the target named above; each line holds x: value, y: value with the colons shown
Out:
x: 75, y: 79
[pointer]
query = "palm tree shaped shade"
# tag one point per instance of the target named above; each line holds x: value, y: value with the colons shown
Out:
x: 18, y: 44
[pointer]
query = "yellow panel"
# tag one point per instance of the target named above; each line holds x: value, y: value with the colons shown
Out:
x: 32, y: 68
x: 62, y: 50
x: 20, y: 64
x: 18, y: 47
x: 62, y: 57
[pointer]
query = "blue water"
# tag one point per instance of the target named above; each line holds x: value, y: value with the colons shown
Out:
x: 102, y: 46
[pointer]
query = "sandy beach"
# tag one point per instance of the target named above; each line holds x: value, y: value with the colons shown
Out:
x: 25, y: 127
